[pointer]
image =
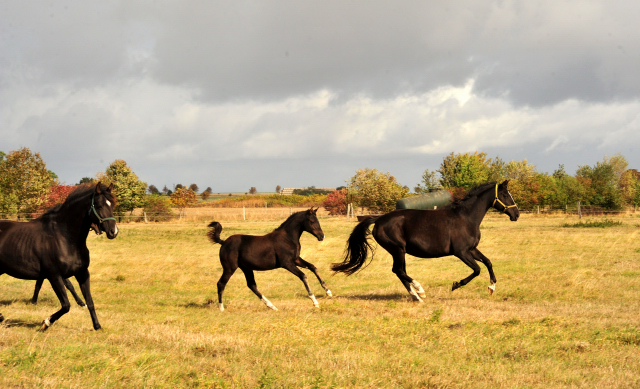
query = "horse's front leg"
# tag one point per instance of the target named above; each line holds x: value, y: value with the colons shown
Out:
x: 58, y: 286
x: 308, y: 265
x: 83, y: 279
x: 492, y: 277
x: 303, y: 277
x: 468, y: 259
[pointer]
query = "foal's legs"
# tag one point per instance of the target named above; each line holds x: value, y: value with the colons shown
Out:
x: 58, y: 287
x: 83, y: 279
x: 251, y: 283
x: 468, y: 259
x: 308, y: 265
x: 303, y: 277
x: 492, y: 277
x: 36, y: 291
x: 227, y: 272
x: 400, y: 269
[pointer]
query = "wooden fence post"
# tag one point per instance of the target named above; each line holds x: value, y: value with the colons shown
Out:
x: 579, y: 211
x: 145, y: 217
x: 244, y: 216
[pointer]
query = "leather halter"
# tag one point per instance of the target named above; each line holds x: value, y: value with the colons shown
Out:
x: 497, y: 200
x: 93, y: 208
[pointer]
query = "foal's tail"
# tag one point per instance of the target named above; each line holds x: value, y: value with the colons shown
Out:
x: 215, y: 229
x: 357, y: 248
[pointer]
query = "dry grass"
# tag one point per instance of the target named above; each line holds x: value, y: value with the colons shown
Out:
x: 565, y: 314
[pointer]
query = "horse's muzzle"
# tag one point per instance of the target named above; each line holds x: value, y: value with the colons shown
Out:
x: 112, y: 233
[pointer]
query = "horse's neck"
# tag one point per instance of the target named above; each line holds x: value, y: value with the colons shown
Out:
x: 73, y: 219
x: 479, y: 206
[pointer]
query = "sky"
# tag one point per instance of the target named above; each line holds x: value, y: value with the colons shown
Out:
x: 238, y: 94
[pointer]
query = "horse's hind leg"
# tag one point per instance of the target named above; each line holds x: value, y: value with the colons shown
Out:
x: 36, y: 291
x: 67, y: 283
x: 468, y: 259
x: 227, y: 272
x: 308, y: 265
x: 58, y: 287
x: 400, y: 269
x: 251, y: 283
x: 492, y: 277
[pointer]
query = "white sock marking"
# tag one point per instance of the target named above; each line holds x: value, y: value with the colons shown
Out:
x: 221, y: 306
x: 268, y: 303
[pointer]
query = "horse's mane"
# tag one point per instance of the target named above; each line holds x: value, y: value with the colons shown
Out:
x: 80, y: 192
x: 473, y: 192
x: 290, y: 219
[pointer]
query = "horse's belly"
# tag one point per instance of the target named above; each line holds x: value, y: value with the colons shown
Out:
x: 428, y: 249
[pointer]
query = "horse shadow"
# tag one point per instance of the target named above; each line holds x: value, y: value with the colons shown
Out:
x: 19, y: 323
x: 394, y: 296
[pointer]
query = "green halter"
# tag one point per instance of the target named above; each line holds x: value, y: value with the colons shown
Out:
x: 93, y: 208
x: 497, y: 200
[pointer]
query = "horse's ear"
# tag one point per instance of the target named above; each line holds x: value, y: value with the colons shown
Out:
x: 505, y: 183
x: 98, y: 188
x: 314, y: 211
x: 110, y: 188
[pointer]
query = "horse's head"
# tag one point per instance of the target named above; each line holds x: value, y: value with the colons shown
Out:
x: 312, y: 225
x: 504, y: 202
x: 101, y: 211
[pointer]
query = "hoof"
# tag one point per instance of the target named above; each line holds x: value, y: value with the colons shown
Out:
x: 45, y: 325
x: 329, y: 293
x: 316, y: 306
x: 221, y: 307
x: 97, y: 327
x: 422, y: 295
x: 492, y: 288
x: 273, y: 307
x: 455, y: 286
x: 1, y: 318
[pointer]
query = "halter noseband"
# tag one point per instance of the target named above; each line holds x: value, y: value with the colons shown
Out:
x: 497, y: 200
x: 93, y: 208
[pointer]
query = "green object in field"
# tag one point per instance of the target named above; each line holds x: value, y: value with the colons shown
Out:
x: 431, y: 200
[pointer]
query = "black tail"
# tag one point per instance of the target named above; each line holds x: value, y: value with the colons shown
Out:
x: 357, y: 248
x: 214, y: 232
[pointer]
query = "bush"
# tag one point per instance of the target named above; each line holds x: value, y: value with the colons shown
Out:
x: 336, y: 202
x: 158, y: 208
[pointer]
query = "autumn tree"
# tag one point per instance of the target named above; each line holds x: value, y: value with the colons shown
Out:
x: 182, y: 198
x: 57, y: 194
x: 253, y: 190
x: 601, y: 182
x: 86, y: 180
x: 194, y: 188
x: 153, y: 190
x: 24, y: 181
x: 206, y: 194
x: 429, y: 180
x: 375, y: 190
x: 127, y: 187
x: 278, y: 188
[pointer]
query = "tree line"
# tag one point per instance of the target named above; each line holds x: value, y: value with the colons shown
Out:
x: 27, y: 187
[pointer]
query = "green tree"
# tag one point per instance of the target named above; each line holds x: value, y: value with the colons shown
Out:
x: 128, y: 188
x: 87, y: 180
x: 601, y: 182
x: 464, y: 170
x: 429, y: 180
x: 24, y: 181
x: 157, y: 208
x: 375, y: 190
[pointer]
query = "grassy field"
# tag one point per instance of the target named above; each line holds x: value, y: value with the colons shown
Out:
x: 566, y: 313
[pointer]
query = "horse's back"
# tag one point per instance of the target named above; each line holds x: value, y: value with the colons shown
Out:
x: 421, y: 233
x: 256, y: 252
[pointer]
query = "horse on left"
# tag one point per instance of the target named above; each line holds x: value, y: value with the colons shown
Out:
x: 54, y: 245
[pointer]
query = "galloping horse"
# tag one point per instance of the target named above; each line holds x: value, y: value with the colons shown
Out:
x: 54, y: 246
x: 277, y: 249
x: 450, y: 230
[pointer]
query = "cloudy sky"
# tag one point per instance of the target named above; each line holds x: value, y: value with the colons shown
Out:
x: 237, y: 94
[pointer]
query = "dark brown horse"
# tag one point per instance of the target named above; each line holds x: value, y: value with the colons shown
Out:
x: 450, y: 230
x: 54, y: 245
x: 277, y: 249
